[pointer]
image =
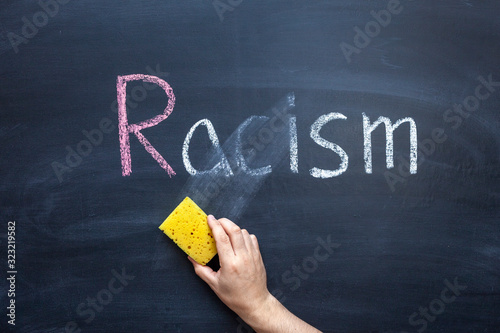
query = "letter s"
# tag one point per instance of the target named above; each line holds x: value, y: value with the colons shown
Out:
x: 315, y: 128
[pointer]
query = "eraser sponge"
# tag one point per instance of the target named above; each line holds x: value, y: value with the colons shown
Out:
x: 187, y: 226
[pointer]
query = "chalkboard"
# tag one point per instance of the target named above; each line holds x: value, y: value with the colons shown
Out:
x: 359, y: 140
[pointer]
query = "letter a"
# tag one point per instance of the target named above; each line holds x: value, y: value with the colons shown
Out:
x: 223, y: 164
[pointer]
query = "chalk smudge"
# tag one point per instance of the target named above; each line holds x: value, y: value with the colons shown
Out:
x: 245, y: 160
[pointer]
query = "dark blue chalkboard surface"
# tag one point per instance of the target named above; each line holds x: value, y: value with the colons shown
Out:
x: 359, y: 140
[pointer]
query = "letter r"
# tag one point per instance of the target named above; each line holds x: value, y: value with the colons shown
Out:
x: 125, y: 128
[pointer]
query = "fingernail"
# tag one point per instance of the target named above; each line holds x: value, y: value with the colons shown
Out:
x: 211, y: 217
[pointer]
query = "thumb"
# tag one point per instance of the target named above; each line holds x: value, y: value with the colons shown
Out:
x: 206, y: 273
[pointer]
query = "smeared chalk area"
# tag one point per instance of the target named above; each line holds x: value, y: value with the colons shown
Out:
x: 257, y: 146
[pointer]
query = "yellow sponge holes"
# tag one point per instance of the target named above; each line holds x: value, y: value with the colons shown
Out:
x: 187, y: 226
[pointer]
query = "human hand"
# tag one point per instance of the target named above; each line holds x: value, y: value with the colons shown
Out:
x: 241, y: 280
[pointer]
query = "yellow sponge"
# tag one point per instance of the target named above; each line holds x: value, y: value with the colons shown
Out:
x: 187, y: 226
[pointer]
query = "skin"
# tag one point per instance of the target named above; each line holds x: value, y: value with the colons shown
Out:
x: 241, y: 281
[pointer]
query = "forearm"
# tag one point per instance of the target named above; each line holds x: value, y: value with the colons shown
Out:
x: 273, y: 317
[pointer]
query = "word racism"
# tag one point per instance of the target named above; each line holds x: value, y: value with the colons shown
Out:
x: 264, y: 136
x: 125, y: 129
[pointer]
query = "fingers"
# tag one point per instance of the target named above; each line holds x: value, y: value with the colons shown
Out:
x: 255, y: 245
x: 222, y: 240
x: 206, y: 273
x: 257, y: 257
x: 248, y: 241
x: 236, y: 235
x: 231, y: 240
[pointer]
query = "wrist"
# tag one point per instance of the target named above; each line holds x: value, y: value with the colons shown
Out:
x: 263, y: 314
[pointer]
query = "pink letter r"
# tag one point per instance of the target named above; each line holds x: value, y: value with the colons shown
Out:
x: 125, y: 128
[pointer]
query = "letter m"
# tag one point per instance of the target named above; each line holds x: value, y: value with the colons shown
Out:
x: 389, y: 147
x: 125, y: 128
